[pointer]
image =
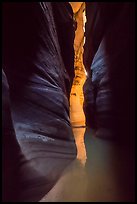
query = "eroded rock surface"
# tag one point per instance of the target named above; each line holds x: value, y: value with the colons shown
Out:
x: 38, y: 100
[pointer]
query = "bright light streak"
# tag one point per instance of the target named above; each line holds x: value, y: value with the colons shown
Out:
x: 86, y: 72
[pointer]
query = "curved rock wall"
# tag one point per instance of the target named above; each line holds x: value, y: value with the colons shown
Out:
x: 37, y: 80
x: 65, y: 25
x: 109, y: 61
x: 109, y: 58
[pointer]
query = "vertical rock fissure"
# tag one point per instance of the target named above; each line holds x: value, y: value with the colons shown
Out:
x: 77, y: 115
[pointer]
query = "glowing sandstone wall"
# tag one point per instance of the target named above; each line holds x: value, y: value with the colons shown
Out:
x: 76, y: 98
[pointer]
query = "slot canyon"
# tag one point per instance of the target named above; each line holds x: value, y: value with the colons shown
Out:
x: 68, y: 102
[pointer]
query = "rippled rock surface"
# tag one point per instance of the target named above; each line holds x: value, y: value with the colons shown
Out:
x: 109, y: 60
x: 36, y: 81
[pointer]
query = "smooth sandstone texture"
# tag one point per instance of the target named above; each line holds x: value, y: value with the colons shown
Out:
x: 38, y: 102
x: 109, y: 60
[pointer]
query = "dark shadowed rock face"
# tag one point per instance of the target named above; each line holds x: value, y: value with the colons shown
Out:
x: 43, y: 140
x: 109, y: 90
x: 109, y: 58
x: 65, y: 25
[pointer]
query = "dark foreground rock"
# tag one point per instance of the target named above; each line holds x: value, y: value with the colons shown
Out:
x: 38, y: 141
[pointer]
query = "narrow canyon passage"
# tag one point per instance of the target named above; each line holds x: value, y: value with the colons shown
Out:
x: 97, y: 173
x: 68, y: 138
x: 72, y: 186
x: 77, y: 116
